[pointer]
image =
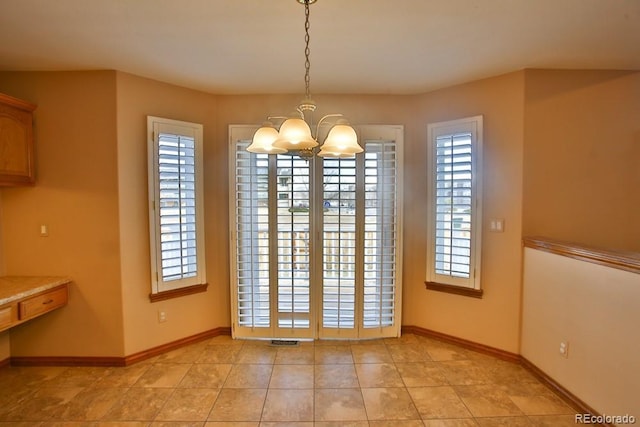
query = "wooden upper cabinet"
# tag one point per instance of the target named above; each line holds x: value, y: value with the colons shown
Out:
x: 17, y: 165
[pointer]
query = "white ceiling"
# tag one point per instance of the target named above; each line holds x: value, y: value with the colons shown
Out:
x: 357, y: 46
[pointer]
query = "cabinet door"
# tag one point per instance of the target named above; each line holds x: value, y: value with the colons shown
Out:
x: 16, y: 141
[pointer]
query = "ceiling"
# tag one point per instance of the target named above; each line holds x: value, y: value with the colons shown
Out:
x: 357, y: 46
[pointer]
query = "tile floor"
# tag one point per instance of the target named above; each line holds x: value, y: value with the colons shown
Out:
x: 408, y: 381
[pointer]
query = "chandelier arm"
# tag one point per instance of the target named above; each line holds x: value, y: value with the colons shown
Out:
x: 320, y: 122
x: 300, y: 111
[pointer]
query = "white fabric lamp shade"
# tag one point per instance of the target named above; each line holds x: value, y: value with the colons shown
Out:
x: 295, y: 134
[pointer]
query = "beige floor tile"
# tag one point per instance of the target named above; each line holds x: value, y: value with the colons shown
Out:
x: 287, y: 424
x: 526, y: 389
x: 219, y: 354
x: 542, y: 405
x: 333, y: 354
x: 344, y: 404
x: 249, y: 376
x: 256, y: 354
x: 451, y: 422
x: 12, y: 399
x: 129, y: 406
x: 189, y: 404
x: 92, y: 403
x: 174, y: 424
x: 206, y: 375
x: 123, y: 377
x: 225, y: 340
x: 45, y: 404
x: 336, y: 376
x: 292, y: 376
x: 396, y: 423
x: 187, y: 354
x: 517, y: 421
x: 464, y: 372
x: 389, y: 404
x: 440, y: 351
x: 553, y: 420
x: 378, y: 375
x: 17, y: 377
x: 408, y: 353
x: 295, y: 356
x: 438, y: 402
x: 341, y: 424
x: 487, y: 401
x: 232, y: 424
x: 403, y: 339
x: 163, y: 375
x: 371, y: 353
x: 112, y: 424
x: 76, y: 377
x: 238, y: 405
x: 332, y: 343
x: 288, y: 405
x: 502, y: 372
x: 421, y: 374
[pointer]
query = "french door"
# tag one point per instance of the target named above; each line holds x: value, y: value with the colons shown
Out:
x: 315, y: 245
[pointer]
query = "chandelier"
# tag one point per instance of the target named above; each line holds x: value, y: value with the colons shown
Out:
x: 294, y: 135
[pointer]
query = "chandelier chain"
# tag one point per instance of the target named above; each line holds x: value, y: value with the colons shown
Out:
x: 307, y: 63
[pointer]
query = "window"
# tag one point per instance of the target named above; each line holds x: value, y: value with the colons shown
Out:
x: 175, y: 204
x: 455, y: 208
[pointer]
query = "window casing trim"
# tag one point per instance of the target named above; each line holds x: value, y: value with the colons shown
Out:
x: 155, y: 126
x: 441, y: 282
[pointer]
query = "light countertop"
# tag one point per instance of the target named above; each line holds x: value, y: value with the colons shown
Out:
x: 13, y: 288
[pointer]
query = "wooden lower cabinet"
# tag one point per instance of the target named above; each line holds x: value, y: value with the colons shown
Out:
x: 21, y: 310
x: 6, y: 318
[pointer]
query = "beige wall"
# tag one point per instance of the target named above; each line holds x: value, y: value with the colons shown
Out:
x: 594, y: 309
x: 76, y: 195
x: 582, y: 151
x: 189, y: 315
x: 494, y: 319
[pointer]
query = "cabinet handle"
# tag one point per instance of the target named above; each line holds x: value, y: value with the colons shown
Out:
x: 49, y: 301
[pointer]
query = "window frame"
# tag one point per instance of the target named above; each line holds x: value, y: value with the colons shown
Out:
x: 470, y: 286
x: 160, y: 288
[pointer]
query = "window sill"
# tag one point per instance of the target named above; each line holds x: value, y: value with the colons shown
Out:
x: 457, y: 290
x: 177, y: 293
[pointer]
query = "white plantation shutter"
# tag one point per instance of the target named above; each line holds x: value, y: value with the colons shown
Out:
x: 339, y: 243
x: 380, y: 233
x: 252, y: 233
x: 453, y: 204
x: 175, y: 192
x: 293, y: 221
x: 360, y: 239
x: 454, y: 224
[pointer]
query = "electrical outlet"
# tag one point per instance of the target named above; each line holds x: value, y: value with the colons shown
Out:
x: 162, y: 316
x: 564, y: 349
